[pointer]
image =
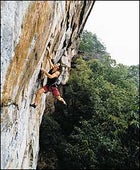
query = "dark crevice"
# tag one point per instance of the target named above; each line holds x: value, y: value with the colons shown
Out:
x: 82, y: 13
x: 67, y: 19
x: 74, y: 27
x: 31, y: 154
x: 69, y: 43
x: 40, y: 78
x: 64, y: 44
x: 61, y: 24
x: 36, y: 56
x: 49, y: 44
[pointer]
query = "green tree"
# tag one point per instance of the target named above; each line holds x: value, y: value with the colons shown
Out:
x: 104, y: 115
x: 90, y: 44
x: 99, y: 129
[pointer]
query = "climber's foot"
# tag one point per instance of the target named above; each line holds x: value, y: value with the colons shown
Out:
x: 33, y: 105
x: 64, y: 103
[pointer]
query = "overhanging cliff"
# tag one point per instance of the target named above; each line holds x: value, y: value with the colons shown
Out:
x: 27, y: 29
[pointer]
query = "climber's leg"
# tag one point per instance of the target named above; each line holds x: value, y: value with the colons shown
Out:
x: 61, y: 99
x: 38, y: 95
x: 56, y: 93
x: 44, y: 89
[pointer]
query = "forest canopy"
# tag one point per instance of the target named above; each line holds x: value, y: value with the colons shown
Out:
x: 99, y: 129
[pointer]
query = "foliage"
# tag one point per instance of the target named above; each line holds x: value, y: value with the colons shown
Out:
x: 100, y: 127
x: 90, y: 44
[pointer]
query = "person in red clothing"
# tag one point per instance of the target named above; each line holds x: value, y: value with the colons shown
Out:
x: 51, y: 85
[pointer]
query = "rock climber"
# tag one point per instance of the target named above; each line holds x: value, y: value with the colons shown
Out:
x: 51, y: 85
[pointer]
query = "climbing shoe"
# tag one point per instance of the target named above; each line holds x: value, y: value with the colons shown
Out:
x: 33, y: 105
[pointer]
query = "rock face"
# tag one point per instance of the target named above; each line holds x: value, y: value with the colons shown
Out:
x: 27, y: 29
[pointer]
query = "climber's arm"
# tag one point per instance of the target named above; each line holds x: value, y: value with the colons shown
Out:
x: 50, y: 62
x: 49, y: 57
x: 56, y: 74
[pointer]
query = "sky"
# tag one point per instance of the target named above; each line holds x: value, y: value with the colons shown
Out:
x: 116, y: 24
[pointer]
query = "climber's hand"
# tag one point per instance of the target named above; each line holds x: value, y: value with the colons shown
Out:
x: 49, y: 57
